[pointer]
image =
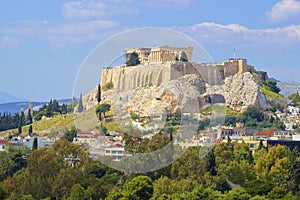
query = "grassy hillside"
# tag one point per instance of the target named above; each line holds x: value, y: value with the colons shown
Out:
x: 84, y: 121
x: 269, y: 94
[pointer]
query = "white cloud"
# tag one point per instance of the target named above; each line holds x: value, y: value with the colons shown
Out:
x: 285, y: 10
x: 237, y: 34
x: 57, y: 34
x: 8, y: 42
x: 80, y: 32
x: 167, y: 3
x: 90, y: 9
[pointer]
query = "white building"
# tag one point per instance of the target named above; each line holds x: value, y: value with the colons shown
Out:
x: 28, y: 141
x: 116, y: 152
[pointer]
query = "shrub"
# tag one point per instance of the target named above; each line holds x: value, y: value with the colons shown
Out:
x: 108, y: 86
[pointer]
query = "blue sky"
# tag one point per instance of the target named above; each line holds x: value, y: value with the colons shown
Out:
x: 43, y: 43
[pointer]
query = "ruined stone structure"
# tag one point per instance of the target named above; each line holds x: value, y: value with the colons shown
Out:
x: 159, y: 65
x: 156, y: 73
x: 160, y: 54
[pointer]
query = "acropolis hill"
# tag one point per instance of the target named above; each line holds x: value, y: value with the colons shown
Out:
x: 165, y: 80
x: 162, y: 64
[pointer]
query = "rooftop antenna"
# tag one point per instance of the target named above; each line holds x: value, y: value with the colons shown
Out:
x: 234, y: 53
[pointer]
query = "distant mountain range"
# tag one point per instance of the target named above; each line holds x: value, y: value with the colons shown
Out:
x: 15, y: 107
x: 288, y: 88
x: 7, y: 98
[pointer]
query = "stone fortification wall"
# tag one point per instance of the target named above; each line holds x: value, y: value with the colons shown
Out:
x: 126, y: 78
x: 137, y: 76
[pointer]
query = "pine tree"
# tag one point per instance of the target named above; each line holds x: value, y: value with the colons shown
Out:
x: 99, y: 94
x: 80, y: 105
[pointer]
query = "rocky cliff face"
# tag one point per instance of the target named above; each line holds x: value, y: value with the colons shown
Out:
x: 183, y: 94
x: 242, y: 91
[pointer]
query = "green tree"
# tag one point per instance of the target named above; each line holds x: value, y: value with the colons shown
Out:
x: 237, y: 194
x: 80, y: 104
x: 274, y: 166
x: 107, y: 86
x: 6, y: 165
x: 29, y: 116
x: 272, y: 86
x: 99, y: 94
x: 21, y: 121
x: 102, y: 109
x: 295, y: 98
x: 134, y: 116
x: 3, y: 193
x: 139, y: 187
x: 183, y: 57
x: 164, y: 185
x: 77, y: 192
x: 133, y: 59
x: 189, y: 165
x: 201, y: 193
x: 30, y: 129
x: 277, y: 193
x: 35, y: 143
x: 258, y: 187
x: 254, y: 112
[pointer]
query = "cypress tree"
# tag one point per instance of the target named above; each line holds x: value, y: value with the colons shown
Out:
x: 21, y: 121
x: 30, y: 129
x: 99, y: 94
x: 29, y: 116
x: 80, y: 105
x: 35, y: 143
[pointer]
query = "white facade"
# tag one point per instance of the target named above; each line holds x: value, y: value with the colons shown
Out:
x: 117, y: 153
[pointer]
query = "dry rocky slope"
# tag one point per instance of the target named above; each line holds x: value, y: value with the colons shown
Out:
x: 156, y: 95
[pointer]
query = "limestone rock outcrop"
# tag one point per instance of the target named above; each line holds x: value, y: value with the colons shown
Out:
x: 150, y: 91
x: 242, y: 91
x: 180, y: 95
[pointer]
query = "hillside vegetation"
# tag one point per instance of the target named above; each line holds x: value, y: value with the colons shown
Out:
x: 270, y: 94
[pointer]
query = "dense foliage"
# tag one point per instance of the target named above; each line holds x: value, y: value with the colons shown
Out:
x: 272, y: 86
x: 229, y: 171
x: 295, y: 98
x: 253, y: 118
x: 108, y: 86
x: 8, y: 121
x: 133, y: 60
x: 51, y: 109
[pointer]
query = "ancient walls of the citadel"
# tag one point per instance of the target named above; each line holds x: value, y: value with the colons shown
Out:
x: 126, y: 78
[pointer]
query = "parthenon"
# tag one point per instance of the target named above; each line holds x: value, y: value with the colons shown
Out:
x: 160, y: 54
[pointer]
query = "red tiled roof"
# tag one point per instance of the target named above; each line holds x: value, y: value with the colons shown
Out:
x: 4, y: 141
x: 265, y: 133
x: 121, y: 132
x: 88, y: 133
x: 199, y: 134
